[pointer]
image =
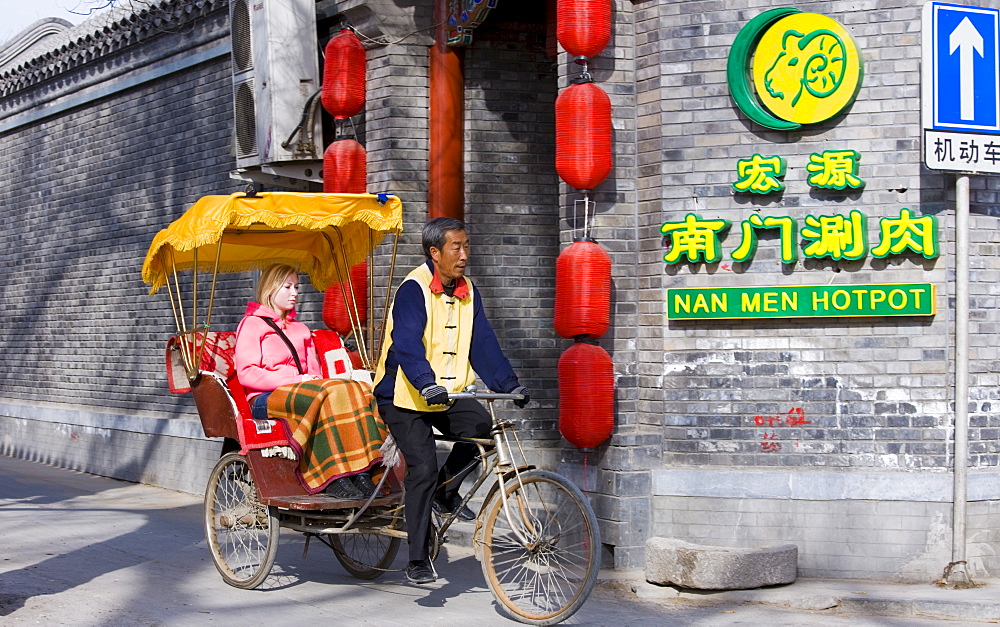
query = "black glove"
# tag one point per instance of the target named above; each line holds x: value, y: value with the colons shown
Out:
x: 527, y: 396
x: 435, y: 394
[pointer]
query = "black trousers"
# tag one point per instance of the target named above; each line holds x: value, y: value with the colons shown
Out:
x: 465, y: 418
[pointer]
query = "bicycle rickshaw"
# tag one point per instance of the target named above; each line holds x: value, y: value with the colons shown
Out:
x: 535, y: 535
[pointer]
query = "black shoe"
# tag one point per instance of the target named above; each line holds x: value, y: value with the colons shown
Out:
x: 447, y: 505
x: 419, y: 572
x: 343, y: 489
x: 363, y: 482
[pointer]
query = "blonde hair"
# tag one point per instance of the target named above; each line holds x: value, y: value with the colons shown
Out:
x: 271, y: 280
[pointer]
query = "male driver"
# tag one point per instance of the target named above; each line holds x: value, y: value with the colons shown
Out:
x: 438, y: 339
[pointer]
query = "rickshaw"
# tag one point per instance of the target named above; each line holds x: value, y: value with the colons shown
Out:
x: 535, y: 535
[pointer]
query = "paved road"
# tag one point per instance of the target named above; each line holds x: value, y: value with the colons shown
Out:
x: 83, y: 550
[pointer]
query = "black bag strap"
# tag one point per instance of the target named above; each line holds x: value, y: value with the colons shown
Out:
x: 288, y: 342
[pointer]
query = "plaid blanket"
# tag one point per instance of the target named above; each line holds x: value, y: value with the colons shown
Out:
x: 333, y: 425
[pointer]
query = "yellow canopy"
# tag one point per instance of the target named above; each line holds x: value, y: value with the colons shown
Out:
x: 317, y: 233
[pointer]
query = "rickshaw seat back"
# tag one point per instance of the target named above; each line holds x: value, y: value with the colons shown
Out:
x: 218, y: 357
x: 221, y: 399
x: 225, y: 412
x: 217, y: 406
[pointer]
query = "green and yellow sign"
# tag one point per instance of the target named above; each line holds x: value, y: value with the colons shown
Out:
x: 788, y: 68
x: 801, y: 301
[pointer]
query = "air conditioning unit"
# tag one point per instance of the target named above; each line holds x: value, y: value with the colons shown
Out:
x: 275, y: 73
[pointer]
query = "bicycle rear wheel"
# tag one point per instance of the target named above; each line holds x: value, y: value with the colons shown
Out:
x: 364, y: 555
x: 540, y: 561
x: 242, y: 532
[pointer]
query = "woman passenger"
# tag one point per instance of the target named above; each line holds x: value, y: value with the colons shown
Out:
x: 276, y: 363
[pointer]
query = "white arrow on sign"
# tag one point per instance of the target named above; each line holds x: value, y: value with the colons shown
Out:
x: 965, y: 38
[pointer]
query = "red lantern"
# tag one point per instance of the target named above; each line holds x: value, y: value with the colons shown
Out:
x: 344, y: 76
x: 586, y: 395
x: 583, y: 135
x: 583, y: 290
x: 355, y: 356
x: 336, y: 314
x: 345, y: 168
x: 583, y: 27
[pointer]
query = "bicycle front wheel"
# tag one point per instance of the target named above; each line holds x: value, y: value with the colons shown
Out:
x: 541, y: 551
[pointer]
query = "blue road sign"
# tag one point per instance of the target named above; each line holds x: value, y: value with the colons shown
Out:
x: 965, y: 67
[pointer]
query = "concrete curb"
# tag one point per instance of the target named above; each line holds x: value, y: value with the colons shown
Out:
x: 952, y: 610
x: 837, y: 595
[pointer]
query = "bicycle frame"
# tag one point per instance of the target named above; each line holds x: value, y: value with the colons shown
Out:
x: 495, y: 457
x: 497, y: 461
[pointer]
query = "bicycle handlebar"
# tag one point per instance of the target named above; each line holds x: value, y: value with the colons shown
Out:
x: 489, y: 396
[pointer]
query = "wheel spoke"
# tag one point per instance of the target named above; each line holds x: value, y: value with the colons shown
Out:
x: 364, y: 555
x: 242, y: 533
x: 547, y: 578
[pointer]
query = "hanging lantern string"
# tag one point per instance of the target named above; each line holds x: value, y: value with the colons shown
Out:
x: 384, y: 39
x: 588, y: 219
x: 339, y: 132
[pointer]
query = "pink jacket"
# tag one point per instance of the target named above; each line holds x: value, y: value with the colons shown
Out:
x: 263, y: 361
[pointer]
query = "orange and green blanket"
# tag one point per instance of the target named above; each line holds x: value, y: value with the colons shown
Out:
x: 333, y: 425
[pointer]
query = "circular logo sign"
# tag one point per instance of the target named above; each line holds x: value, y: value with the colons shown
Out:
x: 804, y: 68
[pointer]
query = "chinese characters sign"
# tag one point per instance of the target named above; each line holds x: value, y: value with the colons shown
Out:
x: 834, y: 169
x: 962, y: 152
x: 830, y: 169
x: 837, y: 237
x: 811, y: 301
x: 759, y: 175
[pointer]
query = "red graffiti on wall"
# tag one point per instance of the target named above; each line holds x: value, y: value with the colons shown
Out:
x: 770, y: 442
x: 794, y: 418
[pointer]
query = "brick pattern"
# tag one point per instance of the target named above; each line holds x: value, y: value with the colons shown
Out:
x: 876, y: 393
x: 85, y: 193
x: 171, y: 462
x: 617, y: 475
x: 892, y: 540
x: 511, y: 190
x: 512, y: 202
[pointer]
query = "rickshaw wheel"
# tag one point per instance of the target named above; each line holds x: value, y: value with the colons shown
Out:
x: 544, y: 580
x: 242, y: 532
x: 364, y: 555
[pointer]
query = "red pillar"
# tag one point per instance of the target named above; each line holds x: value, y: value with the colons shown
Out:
x: 446, y: 170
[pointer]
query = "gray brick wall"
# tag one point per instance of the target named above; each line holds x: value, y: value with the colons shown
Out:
x: 177, y: 457
x: 511, y: 190
x: 85, y: 192
x: 511, y: 197
x: 877, y: 393
x: 890, y: 540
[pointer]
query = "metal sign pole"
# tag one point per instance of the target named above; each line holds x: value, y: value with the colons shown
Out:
x: 959, y: 575
x: 960, y: 113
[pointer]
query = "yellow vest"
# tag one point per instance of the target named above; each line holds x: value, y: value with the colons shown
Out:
x: 447, y: 341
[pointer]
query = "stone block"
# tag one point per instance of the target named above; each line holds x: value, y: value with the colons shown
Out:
x: 670, y: 561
